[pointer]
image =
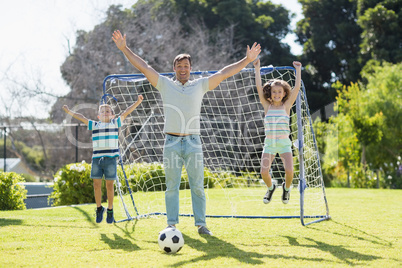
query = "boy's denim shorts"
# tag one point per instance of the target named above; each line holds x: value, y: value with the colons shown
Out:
x: 104, y: 166
x: 280, y: 146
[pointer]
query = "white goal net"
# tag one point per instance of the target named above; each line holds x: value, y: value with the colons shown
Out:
x: 232, y: 134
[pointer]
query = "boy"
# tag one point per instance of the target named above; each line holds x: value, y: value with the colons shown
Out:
x: 105, y: 137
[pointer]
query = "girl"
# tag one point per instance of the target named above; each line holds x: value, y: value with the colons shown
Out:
x: 277, y: 98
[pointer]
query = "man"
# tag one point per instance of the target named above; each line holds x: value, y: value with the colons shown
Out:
x: 182, y: 100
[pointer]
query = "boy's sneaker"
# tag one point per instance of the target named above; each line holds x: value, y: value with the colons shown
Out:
x: 268, y: 196
x: 99, y: 214
x: 204, y: 230
x: 285, y: 194
x: 109, y: 216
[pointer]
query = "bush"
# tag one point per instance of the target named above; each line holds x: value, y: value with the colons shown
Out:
x: 12, y: 193
x: 73, y: 185
x: 144, y: 177
x: 151, y: 177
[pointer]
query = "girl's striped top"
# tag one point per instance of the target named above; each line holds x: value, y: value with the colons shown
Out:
x: 105, y: 138
x: 276, y: 124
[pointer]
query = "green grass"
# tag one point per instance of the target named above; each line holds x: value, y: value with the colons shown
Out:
x: 365, y: 230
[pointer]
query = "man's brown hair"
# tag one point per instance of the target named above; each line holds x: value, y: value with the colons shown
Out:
x: 181, y: 57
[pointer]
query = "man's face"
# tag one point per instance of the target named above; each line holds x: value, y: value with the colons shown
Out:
x: 183, y: 69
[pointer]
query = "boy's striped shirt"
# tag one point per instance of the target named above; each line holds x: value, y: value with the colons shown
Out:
x: 105, y: 138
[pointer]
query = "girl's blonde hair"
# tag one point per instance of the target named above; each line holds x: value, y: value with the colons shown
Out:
x: 266, y: 89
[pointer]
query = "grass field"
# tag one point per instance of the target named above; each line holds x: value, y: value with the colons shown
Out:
x: 365, y: 230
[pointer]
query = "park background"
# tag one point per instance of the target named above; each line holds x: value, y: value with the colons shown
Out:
x: 352, y: 70
x: 351, y: 55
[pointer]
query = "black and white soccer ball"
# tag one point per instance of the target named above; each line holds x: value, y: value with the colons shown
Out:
x: 171, y: 240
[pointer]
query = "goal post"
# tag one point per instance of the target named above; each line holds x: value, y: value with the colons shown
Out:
x: 232, y: 134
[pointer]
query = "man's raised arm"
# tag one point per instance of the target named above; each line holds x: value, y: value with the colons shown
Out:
x: 135, y: 60
x: 232, y: 69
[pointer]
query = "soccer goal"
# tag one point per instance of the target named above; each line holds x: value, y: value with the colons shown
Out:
x: 232, y: 134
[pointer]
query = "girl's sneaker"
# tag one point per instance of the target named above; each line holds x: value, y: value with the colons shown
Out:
x: 285, y: 194
x: 268, y: 196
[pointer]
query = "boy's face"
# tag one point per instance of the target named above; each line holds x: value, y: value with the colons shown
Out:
x: 105, y: 114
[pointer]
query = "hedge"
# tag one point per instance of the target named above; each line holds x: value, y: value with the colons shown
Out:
x: 73, y: 185
x: 12, y: 192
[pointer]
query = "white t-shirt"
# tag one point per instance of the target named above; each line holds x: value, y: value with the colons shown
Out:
x: 182, y: 104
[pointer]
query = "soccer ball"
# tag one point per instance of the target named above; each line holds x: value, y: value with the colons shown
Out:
x: 170, y: 240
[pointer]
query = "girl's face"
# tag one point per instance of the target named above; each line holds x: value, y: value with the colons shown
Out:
x: 277, y: 93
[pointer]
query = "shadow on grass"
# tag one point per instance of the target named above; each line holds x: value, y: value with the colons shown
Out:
x: 119, y: 242
x: 127, y: 230
x: 5, y: 222
x: 357, y: 233
x: 88, y: 217
x: 216, y: 248
x: 344, y: 255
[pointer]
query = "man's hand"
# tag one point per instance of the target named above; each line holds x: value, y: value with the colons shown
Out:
x: 253, y: 52
x: 119, y: 39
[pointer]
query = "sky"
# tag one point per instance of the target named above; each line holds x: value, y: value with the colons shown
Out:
x: 37, y: 36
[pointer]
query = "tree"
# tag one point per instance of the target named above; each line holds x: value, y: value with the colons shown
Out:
x: 343, y: 149
x: 383, y: 95
x: 365, y: 136
x: 331, y: 39
x: 341, y: 36
x: 208, y: 30
x: 259, y: 21
x: 381, y: 36
x: 157, y: 40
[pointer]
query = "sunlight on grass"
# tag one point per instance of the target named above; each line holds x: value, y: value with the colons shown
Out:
x: 364, y: 231
x: 228, y: 202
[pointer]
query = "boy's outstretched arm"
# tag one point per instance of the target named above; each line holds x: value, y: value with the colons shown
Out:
x: 131, y: 108
x: 78, y: 116
x: 135, y: 60
x: 232, y: 69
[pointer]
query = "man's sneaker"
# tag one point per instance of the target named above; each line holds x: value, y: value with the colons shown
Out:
x: 204, y: 230
x: 109, y: 216
x: 99, y: 214
x: 285, y: 194
x: 268, y: 196
x: 170, y: 227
